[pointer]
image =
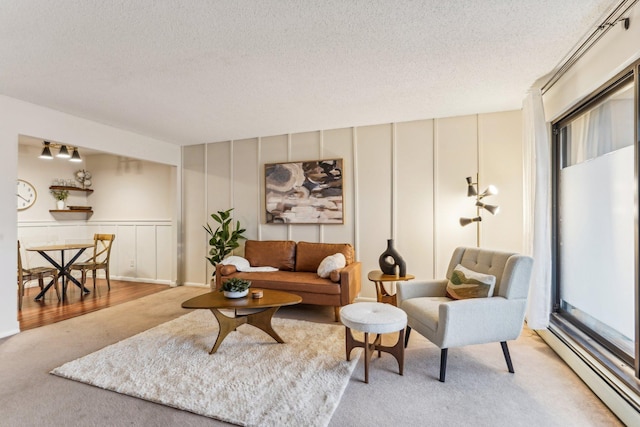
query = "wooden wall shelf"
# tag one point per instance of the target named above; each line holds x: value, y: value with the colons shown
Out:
x: 71, y: 213
x: 64, y: 187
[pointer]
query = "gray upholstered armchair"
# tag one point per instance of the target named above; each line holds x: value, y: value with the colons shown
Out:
x: 456, y: 323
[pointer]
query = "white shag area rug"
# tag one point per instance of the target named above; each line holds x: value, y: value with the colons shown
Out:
x: 251, y: 380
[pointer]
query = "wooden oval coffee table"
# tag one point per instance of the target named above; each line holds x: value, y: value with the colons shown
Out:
x: 270, y: 302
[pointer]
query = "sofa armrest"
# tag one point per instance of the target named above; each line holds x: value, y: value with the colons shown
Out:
x: 219, y: 275
x: 350, y: 277
x: 420, y: 288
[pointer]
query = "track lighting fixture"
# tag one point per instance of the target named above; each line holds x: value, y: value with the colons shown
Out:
x: 63, y: 152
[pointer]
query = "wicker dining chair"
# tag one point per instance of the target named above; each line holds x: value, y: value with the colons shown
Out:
x: 102, y: 244
x: 36, y: 273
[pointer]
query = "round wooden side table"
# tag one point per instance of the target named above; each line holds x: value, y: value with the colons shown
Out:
x: 378, y: 277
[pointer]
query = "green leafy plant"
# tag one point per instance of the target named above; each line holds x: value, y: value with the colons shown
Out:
x: 60, y: 194
x: 224, y: 239
x: 235, y: 284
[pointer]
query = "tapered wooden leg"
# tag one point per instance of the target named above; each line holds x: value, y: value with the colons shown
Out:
x: 507, y: 356
x: 406, y: 337
x: 367, y: 356
x: 397, y: 351
x: 106, y: 272
x: 336, y: 313
x: 443, y: 363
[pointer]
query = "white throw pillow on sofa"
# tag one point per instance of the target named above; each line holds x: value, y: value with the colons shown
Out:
x: 241, y: 264
x: 330, y: 263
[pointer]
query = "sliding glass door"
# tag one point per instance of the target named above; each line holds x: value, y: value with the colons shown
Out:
x: 595, y: 218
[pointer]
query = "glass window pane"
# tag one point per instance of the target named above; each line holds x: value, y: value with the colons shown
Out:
x: 605, y: 128
x: 596, y: 220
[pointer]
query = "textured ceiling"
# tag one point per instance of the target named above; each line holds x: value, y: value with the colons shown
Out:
x: 197, y: 71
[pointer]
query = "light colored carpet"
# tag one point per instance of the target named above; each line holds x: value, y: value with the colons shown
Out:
x: 479, y: 391
x: 251, y: 380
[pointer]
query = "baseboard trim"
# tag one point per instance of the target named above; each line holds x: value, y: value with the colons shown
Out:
x: 10, y: 332
x: 620, y: 399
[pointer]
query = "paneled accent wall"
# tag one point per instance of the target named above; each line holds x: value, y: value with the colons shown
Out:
x: 142, y: 251
x: 402, y: 181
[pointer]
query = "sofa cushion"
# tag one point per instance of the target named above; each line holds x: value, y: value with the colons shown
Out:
x: 283, y: 281
x: 280, y: 254
x: 465, y: 283
x: 310, y: 255
x: 424, y: 310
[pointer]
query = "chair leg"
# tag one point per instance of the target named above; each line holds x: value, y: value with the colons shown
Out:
x: 507, y: 356
x: 106, y: 272
x: 20, y: 295
x: 56, y: 286
x: 336, y: 309
x: 406, y: 337
x: 94, y: 279
x: 443, y: 363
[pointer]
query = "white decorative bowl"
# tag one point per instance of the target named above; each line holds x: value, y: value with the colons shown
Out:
x: 239, y: 294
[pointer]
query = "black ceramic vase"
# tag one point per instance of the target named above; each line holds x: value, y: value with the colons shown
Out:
x: 386, y: 264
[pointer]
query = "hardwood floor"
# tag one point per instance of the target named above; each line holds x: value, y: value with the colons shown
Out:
x: 49, y: 310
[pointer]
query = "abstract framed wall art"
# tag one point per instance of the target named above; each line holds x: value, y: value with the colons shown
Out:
x: 304, y: 192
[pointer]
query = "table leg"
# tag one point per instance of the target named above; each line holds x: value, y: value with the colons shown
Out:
x: 260, y: 320
x: 67, y: 273
x: 384, y: 296
x: 63, y: 272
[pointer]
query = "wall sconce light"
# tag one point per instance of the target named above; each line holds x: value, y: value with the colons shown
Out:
x: 472, y: 191
x: 63, y: 152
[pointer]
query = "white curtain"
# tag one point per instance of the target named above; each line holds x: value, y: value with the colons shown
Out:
x: 537, y: 208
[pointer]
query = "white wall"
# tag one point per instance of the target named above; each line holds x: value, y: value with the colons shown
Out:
x: 404, y: 181
x: 22, y: 118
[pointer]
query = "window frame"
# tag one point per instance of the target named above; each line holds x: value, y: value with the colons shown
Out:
x: 591, y: 341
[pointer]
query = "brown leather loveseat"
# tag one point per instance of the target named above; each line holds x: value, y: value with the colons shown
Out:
x: 297, y: 265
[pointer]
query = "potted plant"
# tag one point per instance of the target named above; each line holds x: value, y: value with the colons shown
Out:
x: 60, y: 196
x: 235, y: 288
x: 224, y: 239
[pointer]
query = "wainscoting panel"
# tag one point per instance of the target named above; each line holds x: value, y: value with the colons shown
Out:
x: 194, y: 215
x: 374, y: 197
x: 499, y: 140
x: 147, y: 245
x: 145, y: 261
x: 456, y: 146
x: 338, y: 144
x: 273, y: 149
x: 414, y: 196
x: 246, y: 175
x: 401, y: 180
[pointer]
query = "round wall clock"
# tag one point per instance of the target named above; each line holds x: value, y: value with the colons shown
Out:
x: 26, y: 195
